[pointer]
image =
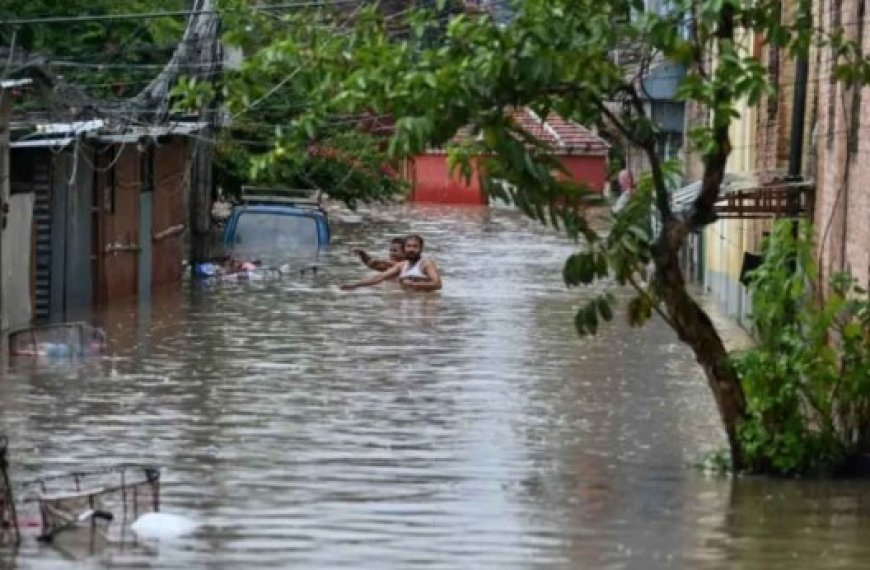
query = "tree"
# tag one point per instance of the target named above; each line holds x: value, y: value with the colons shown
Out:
x: 554, y: 56
x: 106, y: 58
x: 265, y: 96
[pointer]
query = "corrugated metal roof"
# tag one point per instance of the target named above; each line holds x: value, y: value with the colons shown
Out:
x: 684, y: 198
x: 42, y: 143
x: 46, y: 134
x: 11, y: 83
x: 74, y: 127
x: 134, y: 134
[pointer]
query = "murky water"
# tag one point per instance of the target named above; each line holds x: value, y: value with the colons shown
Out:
x: 306, y: 427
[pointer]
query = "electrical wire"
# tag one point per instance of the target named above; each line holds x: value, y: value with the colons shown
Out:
x: 164, y: 14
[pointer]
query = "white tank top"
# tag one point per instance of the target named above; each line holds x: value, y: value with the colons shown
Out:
x: 413, y: 271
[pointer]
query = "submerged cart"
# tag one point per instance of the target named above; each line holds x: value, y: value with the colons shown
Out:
x: 8, y: 519
x: 103, y: 503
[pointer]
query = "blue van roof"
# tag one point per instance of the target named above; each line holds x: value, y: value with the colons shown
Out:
x: 283, y: 210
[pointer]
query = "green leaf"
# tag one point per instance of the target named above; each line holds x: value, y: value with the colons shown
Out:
x: 580, y: 323
x: 579, y: 270
x: 639, y: 311
x: 601, y: 267
x: 591, y: 318
x: 586, y: 319
x: 852, y: 331
x: 604, y: 309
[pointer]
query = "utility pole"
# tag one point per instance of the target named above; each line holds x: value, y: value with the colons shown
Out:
x: 200, y: 193
x: 203, y: 178
x: 5, y: 116
x: 197, y: 55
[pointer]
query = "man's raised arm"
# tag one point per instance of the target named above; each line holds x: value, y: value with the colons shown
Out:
x: 370, y: 262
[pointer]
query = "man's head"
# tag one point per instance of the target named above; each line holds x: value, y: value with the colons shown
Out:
x: 397, y: 249
x: 413, y: 248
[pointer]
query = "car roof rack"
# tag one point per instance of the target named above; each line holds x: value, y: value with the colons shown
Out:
x: 289, y: 196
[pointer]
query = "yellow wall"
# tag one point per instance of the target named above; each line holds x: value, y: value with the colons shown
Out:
x: 726, y: 240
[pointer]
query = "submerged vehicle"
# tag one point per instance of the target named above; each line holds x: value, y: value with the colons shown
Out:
x: 276, y: 224
x: 57, y: 340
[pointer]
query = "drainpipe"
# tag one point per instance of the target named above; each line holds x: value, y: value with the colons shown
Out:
x: 798, y: 112
x: 796, y: 147
x: 795, y: 155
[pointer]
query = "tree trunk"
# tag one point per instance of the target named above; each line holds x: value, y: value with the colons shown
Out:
x: 694, y: 327
x: 198, y: 55
x: 691, y: 322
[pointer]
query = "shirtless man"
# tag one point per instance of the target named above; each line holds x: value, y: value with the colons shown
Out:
x: 414, y: 272
x: 397, y: 255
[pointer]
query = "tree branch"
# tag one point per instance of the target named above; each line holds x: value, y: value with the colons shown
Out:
x: 714, y: 163
x: 620, y: 126
x: 648, y: 143
x: 655, y: 306
x: 698, y: 51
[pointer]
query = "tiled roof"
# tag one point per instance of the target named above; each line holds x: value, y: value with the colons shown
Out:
x: 561, y: 135
x: 566, y: 137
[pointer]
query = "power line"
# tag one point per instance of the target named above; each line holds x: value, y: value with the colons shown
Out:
x: 75, y: 63
x: 89, y: 65
x: 165, y: 14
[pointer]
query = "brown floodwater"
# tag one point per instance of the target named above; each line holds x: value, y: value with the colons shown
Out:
x: 305, y: 427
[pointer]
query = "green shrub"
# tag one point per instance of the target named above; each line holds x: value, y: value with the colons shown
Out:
x: 807, y: 381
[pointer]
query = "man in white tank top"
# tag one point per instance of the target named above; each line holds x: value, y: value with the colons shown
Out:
x: 414, y: 273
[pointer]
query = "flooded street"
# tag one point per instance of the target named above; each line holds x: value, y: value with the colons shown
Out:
x: 306, y: 427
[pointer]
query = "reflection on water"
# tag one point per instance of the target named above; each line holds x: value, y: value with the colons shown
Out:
x: 307, y: 427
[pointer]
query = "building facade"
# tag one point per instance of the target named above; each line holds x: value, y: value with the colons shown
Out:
x: 581, y: 152
x: 108, y: 216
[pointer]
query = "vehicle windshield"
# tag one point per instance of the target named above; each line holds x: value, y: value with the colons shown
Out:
x: 273, y: 234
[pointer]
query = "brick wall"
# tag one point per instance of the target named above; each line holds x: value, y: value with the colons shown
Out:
x: 774, y: 111
x: 842, y: 205
x: 836, y: 152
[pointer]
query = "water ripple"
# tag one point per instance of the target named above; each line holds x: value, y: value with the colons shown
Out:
x: 308, y: 427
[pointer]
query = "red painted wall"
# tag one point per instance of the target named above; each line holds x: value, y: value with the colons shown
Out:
x: 431, y: 182
x: 591, y: 170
